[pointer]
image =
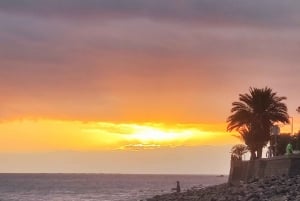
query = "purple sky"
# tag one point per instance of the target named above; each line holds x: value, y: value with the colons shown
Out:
x: 140, y: 60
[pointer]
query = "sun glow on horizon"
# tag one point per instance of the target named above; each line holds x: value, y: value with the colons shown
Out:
x: 148, y: 134
x: 56, y: 135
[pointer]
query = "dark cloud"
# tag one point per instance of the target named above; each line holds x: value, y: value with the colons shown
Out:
x: 129, y: 60
x: 267, y: 12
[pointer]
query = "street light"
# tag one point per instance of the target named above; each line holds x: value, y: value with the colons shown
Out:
x: 297, y: 144
x: 292, y: 126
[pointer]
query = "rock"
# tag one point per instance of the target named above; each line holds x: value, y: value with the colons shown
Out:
x: 252, y: 197
x: 280, y: 188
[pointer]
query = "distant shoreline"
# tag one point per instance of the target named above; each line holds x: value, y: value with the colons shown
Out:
x: 210, y: 175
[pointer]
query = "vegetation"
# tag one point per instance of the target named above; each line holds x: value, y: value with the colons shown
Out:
x: 282, y: 141
x: 237, y: 151
x: 249, y: 139
x: 254, y: 114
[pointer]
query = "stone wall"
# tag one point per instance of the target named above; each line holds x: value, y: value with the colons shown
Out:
x: 247, y: 170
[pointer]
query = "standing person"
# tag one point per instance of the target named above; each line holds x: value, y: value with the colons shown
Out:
x: 269, y: 153
x: 177, y: 189
x: 289, y: 148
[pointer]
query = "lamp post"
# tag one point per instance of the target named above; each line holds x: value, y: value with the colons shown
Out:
x: 292, y: 133
x: 292, y: 126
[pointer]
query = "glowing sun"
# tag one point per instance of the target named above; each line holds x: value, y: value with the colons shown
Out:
x: 148, y: 134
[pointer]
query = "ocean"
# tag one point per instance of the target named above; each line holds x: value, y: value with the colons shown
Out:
x: 95, y: 187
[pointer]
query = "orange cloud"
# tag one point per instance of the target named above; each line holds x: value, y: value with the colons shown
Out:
x: 54, y: 135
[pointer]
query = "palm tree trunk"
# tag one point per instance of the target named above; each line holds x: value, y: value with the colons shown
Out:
x: 253, y: 155
x: 259, y: 152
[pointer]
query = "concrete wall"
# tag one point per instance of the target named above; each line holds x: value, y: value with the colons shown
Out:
x: 247, y: 170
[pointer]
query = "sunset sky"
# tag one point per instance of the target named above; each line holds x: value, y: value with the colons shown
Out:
x: 137, y: 86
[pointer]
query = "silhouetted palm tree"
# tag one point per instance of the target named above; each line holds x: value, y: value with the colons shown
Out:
x: 237, y: 151
x: 254, y: 114
x: 250, y: 140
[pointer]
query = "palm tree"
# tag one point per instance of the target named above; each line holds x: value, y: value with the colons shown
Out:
x: 237, y: 151
x: 254, y: 114
x: 250, y: 140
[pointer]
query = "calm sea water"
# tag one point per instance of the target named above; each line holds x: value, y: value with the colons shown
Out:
x: 92, y: 187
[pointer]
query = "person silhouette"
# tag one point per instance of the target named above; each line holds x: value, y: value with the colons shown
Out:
x: 289, y: 148
x: 177, y: 189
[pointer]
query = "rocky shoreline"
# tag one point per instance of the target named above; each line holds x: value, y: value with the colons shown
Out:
x: 276, y: 188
